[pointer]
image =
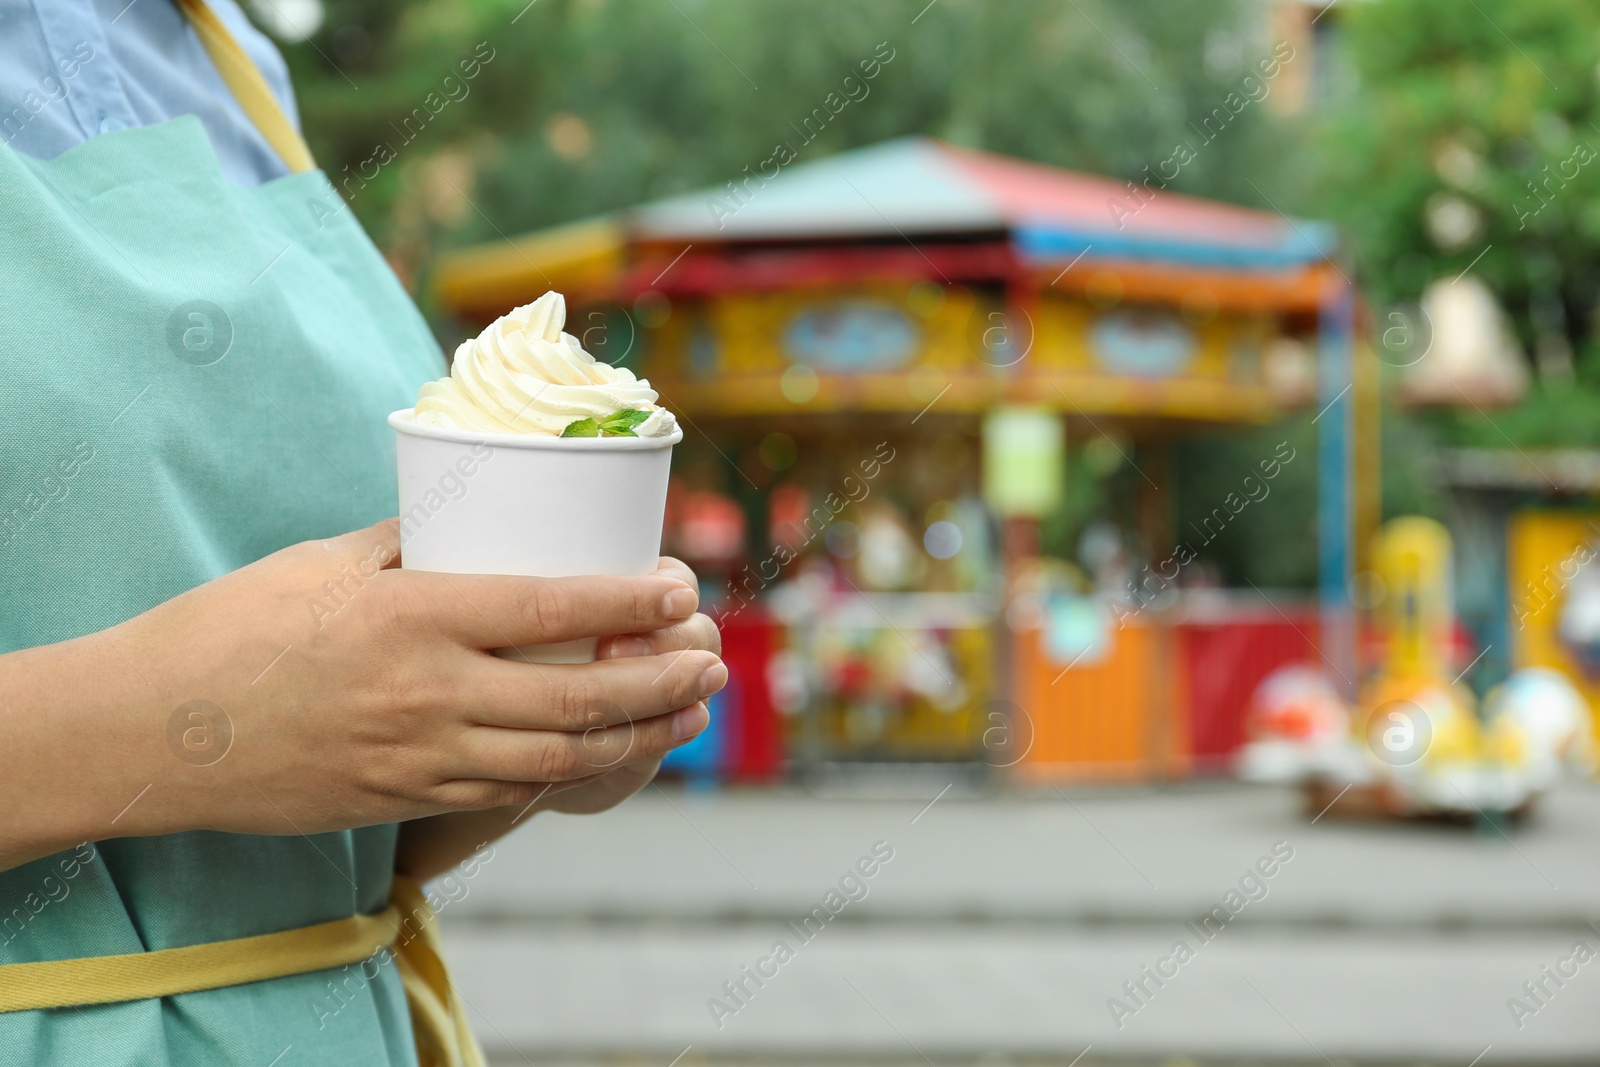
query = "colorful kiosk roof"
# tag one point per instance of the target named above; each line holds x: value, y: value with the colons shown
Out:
x: 1008, y: 281
x: 919, y: 185
x: 911, y: 208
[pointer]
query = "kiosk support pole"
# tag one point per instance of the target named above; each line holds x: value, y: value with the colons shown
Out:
x: 1335, y: 422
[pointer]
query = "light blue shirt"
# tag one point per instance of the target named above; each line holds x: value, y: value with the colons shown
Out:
x: 74, y: 69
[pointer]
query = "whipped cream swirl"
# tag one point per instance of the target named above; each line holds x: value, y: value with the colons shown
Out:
x: 524, y: 374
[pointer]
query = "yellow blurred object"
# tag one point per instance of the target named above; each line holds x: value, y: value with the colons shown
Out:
x: 1456, y: 736
x: 1452, y: 731
x: 487, y: 280
x: 1505, y: 742
x: 1413, y: 713
x: 1543, y: 551
x: 1412, y: 556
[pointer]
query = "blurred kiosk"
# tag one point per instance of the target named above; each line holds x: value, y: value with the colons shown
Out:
x: 880, y: 353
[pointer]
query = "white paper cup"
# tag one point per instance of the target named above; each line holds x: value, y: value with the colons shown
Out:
x: 500, y: 503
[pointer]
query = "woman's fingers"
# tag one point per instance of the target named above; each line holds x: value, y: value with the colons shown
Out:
x: 510, y: 755
x: 677, y: 569
x: 476, y: 794
x: 577, y: 697
x: 497, y: 611
x: 697, y: 631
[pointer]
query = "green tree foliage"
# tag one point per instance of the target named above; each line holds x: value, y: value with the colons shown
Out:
x: 591, y: 105
x: 1483, y: 118
x: 1491, y: 105
x: 1264, y: 531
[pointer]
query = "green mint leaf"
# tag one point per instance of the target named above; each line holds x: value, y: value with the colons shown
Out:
x: 625, y: 419
x: 624, y: 432
x: 582, y: 428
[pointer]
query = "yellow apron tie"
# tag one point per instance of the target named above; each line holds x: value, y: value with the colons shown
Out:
x: 438, y: 1016
x: 248, y: 86
x: 140, y: 975
x: 405, y: 933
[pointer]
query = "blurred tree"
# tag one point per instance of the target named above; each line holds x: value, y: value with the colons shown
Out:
x: 591, y: 105
x: 1472, y: 138
x: 1271, y: 540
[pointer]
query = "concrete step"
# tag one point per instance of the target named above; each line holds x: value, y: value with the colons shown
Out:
x: 959, y: 994
x: 1092, y: 858
x: 1000, y: 928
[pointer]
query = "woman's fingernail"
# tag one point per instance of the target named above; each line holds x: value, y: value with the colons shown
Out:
x: 714, y: 678
x: 688, y: 722
x: 680, y: 603
x: 624, y: 647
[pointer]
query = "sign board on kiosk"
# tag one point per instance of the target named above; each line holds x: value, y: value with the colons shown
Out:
x: 1024, y: 452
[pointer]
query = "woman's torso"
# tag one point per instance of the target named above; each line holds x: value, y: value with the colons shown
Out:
x: 195, y: 373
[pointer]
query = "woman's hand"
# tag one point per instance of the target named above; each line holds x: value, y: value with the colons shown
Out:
x: 613, y: 787
x: 323, y: 688
x: 428, y: 847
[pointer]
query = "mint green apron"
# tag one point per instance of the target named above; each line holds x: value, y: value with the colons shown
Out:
x: 192, y: 375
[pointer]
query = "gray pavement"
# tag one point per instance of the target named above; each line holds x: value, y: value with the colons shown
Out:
x: 1003, y: 927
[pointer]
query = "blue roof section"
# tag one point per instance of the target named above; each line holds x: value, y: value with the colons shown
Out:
x: 1305, y: 242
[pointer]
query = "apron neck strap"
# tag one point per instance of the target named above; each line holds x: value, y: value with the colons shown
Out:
x: 248, y: 86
